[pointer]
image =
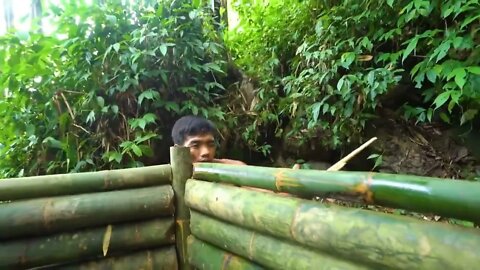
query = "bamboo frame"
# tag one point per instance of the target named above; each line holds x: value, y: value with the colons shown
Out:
x: 181, y: 163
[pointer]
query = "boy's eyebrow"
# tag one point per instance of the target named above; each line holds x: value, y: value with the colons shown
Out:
x: 199, y: 141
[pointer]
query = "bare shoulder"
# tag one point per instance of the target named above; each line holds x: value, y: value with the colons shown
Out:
x: 229, y: 161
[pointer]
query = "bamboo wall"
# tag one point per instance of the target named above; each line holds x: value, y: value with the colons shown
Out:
x: 119, y: 219
x: 235, y: 226
x: 233, y: 217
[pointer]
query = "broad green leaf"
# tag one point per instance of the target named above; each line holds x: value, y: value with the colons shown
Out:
x: 340, y: 84
x: 432, y: 75
x: 116, y: 47
x: 441, y: 99
x: 445, y: 117
x: 378, y: 161
x: 163, y: 49
x: 100, y: 102
x: 53, y: 143
x: 142, y: 123
x: 347, y: 59
x: 442, y: 50
x: 429, y: 114
x: 136, y: 150
x: 149, y: 117
x: 411, y: 46
x: 390, y: 3
x: 316, y: 110
x: 460, y: 77
x: 468, y: 115
x: 474, y: 70
x: 172, y: 106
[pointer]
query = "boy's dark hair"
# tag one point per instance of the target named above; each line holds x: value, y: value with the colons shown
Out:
x: 191, y: 126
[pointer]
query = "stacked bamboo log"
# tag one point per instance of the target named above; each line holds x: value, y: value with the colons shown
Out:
x: 120, y: 219
x: 267, y: 229
x: 449, y: 198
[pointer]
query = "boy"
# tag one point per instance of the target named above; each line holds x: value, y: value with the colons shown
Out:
x: 197, y: 133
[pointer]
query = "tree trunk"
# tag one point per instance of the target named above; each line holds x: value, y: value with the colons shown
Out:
x: 448, y: 198
x: 205, y: 256
x: 8, y: 14
x: 158, y: 259
x: 378, y: 239
x: 71, y: 246
x: 65, y: 184
x: 56, y: 214
x: 264, y: 250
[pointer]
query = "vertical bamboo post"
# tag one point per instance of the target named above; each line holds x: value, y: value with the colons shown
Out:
x: 182, y: 170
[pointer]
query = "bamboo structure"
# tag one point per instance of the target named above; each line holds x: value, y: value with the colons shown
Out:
x: 369, y: 237
x: 158, y: 259
x: 67, y: 184
x: 33, y: 252
x: 265, y: 250
x: 204, y: 256
x: 181, y: 162
x: 49, y: 215
x: 449, y: 198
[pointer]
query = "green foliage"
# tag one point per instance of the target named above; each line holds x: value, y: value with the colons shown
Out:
x: 104, y: 89
x: 323, y: 66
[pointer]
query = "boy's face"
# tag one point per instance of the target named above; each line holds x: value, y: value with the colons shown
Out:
x: 202, y: 147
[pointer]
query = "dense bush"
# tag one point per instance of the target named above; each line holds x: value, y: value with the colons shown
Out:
x: 104, y: 89
x: 324, y: 66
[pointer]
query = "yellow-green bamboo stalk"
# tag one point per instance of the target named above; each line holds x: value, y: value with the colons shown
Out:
x: 374, y: 238
x: 84, y: 244
x: 157, y: 259
x: 56, y: 214
x: 76, y: 183
x: 181, y: 162
x: 264, y: 250
x: 204, y: 256
x: 448, y: 198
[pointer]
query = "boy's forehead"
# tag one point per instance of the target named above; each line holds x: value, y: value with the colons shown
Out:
x: 201, y: 137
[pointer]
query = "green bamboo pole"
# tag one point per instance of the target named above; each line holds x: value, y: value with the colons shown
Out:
x: 65, y: 184
x: 181, y: 162
x: 48, y: 215
x: 262, y: 249
x: 79, y: 245
x: 366, y: 236
x: 158, y: 259
x: 205, y: 256
x: 449, y: 198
